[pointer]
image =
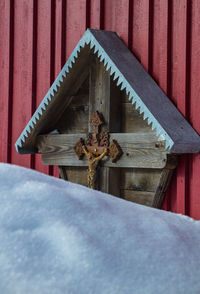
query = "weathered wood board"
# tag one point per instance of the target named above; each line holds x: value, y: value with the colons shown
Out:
x: 139, y: 150
x: 74, y: 174
x: 139, y: 185
x: 75, y: 120
x: 104, y: 97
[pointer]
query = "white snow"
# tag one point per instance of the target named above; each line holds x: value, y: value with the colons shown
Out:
x: 58, y: 237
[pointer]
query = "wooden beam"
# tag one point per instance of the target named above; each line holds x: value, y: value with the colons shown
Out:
x: 139, y: 150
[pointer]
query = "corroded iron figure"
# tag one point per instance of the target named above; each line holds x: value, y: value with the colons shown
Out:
x: 97, y: 146
x: 92, y: 165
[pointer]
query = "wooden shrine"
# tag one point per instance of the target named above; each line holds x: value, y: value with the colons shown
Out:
x: 108, y: 125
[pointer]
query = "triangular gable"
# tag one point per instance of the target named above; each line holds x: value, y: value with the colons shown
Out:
x: 142, y: 90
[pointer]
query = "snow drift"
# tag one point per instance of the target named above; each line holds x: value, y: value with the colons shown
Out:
x: 58, y: 237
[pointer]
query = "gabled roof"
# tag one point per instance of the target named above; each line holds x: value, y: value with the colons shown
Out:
x: 142, y: 90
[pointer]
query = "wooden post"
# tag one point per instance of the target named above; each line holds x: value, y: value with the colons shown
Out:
x: 102, y: 94
x: 165, y: 178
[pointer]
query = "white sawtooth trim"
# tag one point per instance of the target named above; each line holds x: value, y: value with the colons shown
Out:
x: 88, y: 38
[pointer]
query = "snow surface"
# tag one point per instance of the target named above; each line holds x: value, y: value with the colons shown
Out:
x: 58, y: 237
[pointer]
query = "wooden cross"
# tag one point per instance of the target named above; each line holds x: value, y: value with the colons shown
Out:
x: 141, y: 150
x: 97, y: 146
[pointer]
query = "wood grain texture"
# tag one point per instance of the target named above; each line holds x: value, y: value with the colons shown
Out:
x: 116, y: 17
x: 133, y: 24
x: 109, y: 180
x: 164, y: 181
x: 76, y: 174
x: 6, y: 75
x: 104, y: 97
x: 151, y: 184
x: 44, y: 60
x: 161, y: 55
x: 59, y: 56
x: 132, y: 121
x: 140, y: 179
x: 75, y: 117
x: 135, y: 29
x: 139, y: 185
x: 194, y: 106
x: 60, y: 21
x: 99, y: 92
x: 99, y: 100
x: 179, y: 89
x: 96, y: 14
x: 145, y: 31
x: 76, y: 23
x: 22, y: 74
x: 138, y: 151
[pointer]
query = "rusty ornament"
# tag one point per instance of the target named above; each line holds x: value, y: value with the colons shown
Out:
x: 96, y: 147
x: 96, y: 121
x: 115, y: 151
x: 79, y: 149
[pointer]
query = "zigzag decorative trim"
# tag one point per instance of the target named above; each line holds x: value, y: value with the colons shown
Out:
x: 88, y: 38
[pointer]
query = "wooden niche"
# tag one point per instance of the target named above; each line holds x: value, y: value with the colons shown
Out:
x: 104, y: 77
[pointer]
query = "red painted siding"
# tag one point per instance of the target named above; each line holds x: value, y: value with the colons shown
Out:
x: 36, y: 37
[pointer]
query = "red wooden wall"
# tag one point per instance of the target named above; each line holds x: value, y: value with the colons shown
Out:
x: 37, y: 36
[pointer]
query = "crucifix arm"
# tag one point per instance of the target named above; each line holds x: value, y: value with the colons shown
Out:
x: 87, y: 153
x: 90, y: 156
x: 100, y: 156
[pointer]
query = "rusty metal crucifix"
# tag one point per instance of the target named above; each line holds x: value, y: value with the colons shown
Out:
x: 96, y: 147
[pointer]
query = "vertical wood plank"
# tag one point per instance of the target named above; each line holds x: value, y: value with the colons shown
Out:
x: 164, y: 44
x: 161, y: 56
x: 99, y: 91
x: 43, y: 61
x: 178, y: 94
x: 194, y: 173
x: 59, y: 35
x: 141, y: 36
x: 22, y: 74
x: 116, y: 18
x: 102, y: 92
x: 179, y: 27
x: 136, y: 28
x: 99, y: 100
x: 157, y: 40
x: 60, y: 10
x: 145, y: 52
x: 6, y: 74
x: 76, y: 23
x: 96, y: 14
